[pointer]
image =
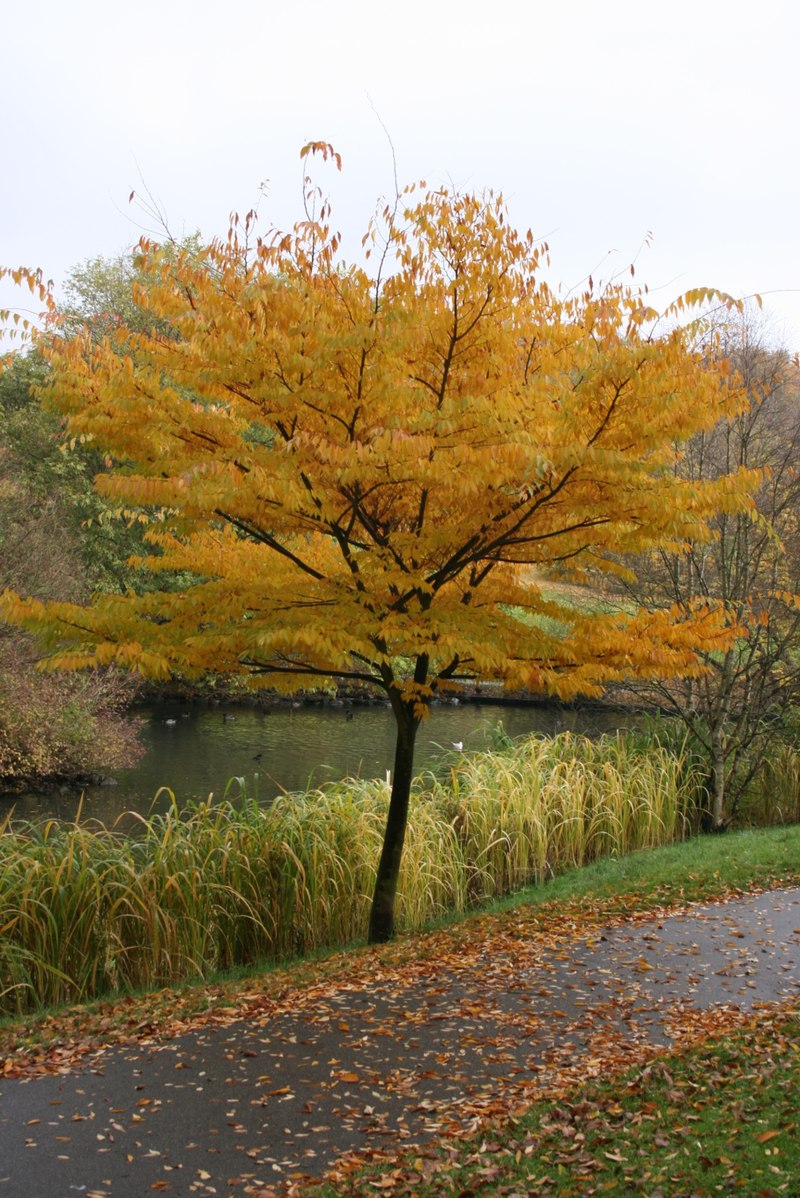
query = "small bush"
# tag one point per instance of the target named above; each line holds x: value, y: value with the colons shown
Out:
x: 55, y: 726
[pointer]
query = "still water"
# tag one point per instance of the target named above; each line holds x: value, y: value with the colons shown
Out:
x: 196, y: 751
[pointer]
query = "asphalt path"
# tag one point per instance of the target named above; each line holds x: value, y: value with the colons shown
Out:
x: 238, y: 1106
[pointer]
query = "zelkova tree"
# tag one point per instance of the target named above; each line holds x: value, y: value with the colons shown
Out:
x: 367, y: 470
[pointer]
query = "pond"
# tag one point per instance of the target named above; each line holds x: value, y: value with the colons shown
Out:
x: 195, y: 751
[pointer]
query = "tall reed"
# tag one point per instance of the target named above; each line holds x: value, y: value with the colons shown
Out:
x: 543, y: 805
x: 85, y: 910
x: 773, y: 796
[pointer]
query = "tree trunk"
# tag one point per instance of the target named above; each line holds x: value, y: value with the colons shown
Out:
x: 717, y: 783
x: 381, y: 923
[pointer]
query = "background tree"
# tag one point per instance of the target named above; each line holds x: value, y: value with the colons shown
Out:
x: 51, y: 726
x: 100, y: 293
x: 33, y: 439
x: 359, y: 468
x: 736, y: 707
x: 99, y: 299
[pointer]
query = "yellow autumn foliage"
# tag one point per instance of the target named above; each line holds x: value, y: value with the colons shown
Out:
x: 355, y: 465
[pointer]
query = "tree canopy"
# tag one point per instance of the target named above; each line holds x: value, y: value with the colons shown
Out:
x: 369, y: 469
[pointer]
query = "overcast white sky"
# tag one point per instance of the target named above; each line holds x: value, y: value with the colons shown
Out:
x: 599, y: 121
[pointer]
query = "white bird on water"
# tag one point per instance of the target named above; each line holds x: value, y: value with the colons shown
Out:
x: 458, y: 745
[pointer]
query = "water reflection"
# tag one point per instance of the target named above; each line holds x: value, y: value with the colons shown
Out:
x: 196, y: 751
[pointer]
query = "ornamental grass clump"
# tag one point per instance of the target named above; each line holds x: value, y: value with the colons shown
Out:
x: 86, y: 910
x: 544, y: 805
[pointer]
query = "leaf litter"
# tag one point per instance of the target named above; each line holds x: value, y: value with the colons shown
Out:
x: 418, y: 1044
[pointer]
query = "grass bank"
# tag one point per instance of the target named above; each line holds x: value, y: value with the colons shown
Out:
x: 612, y: 889
x: 86, y: 911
